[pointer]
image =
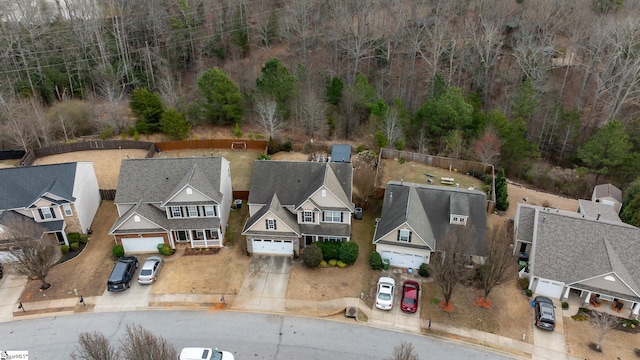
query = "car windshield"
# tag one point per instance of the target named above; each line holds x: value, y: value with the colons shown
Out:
x: 216, y: 355
x: 145, y: 272
x: 409, y: 301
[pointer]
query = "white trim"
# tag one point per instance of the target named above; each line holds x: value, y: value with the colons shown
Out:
x: 67, y: 209
x: 183, y: 189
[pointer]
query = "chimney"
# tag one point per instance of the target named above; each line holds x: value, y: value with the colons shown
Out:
x: 598, y: 218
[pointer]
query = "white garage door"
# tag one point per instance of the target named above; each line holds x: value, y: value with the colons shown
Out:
x: 548, y: 288
x: 276, y: 247
x: 141, y: 245
x: 403, y: 260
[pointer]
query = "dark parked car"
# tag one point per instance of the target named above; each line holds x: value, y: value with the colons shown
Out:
x: 410, y: 291
x: 545, y: 313
x: 122, y: 273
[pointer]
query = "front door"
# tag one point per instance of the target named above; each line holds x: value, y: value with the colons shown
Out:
x: 308, y: 239
x: 60, y: 238
x: 181, y: 236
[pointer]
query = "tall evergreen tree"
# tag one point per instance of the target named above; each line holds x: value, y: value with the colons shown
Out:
x: 278, y: 83
x: 606, y: 151
x: 220, y: 98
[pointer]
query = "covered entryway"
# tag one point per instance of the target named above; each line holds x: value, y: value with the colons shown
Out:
x: 552, y: 289
x: 142, y: 244
x: 272, y: 247
x: 403, y: 260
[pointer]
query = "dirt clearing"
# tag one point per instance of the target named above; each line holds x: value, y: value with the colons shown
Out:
x: 392, y: 169
x: 616, y: 344
x: 106, y: 163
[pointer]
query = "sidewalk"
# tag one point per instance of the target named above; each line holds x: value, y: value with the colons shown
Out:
x: 12, y: 285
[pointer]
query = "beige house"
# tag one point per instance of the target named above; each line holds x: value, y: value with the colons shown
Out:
x: 292, y: 204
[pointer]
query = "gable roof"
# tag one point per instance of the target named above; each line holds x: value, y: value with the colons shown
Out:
x: 426, y: 208
x: 22, y: 186
x: 597, y: 210
x: 571, y: 247
x: 341, y: 153
x: 157, y: 180
x: 295, y: 181
x: 607, y: 190
x: 274, y: 207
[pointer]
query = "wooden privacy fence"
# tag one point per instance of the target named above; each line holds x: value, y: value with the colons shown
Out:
x: 220, y: 144
x: 33, y: 154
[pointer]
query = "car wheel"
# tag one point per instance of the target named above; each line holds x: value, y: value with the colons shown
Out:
x: 128, y: 284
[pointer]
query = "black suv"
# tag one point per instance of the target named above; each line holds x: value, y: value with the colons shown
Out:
x: 545, y: 313
x: 122, y: 273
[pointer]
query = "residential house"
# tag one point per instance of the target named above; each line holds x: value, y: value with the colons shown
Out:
x: 581, y: 255
x: 48, y: 199
x: 608, y: 194
x: 415, y: 218
x: 292, y: 204
x: 172, y: 201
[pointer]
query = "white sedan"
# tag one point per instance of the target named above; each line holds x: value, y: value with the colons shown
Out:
x: 150, y: 270
x: 384, y: 295
x: 195, y: 353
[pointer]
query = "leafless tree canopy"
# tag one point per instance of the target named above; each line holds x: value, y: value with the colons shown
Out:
x: 404, y: 351
x: 270, y: 121
x: 500, y: 264
x: 452, y: 257
x: 602, y: 322
x: 94, y: 346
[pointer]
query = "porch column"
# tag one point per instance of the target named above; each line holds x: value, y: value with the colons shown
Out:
x: 586, y: 299
x: 190, y: 232
x: 635, y: 309
x: 172, y: 242
x: 566, y: 293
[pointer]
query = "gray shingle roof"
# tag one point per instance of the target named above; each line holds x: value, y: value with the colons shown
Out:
x: 524, y: 221
x: 607, y: 190
x: 295, y: 181
x: 276, y: 209
x: 21, y: 186
x: 571, y: 247
x: 155, y: 180
x: 426, y: 209
x: 592, y: 209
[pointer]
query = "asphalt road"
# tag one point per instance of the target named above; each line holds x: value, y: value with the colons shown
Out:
x: 247, y: 335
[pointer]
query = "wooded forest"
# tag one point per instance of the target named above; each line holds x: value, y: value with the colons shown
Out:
x: 549, y: 90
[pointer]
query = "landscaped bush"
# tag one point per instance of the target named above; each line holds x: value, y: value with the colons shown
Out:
x: 74, y: 246
x: 341, y: 264
x: 565, y: 305
x: 529, y: 292
x: 165, y: 250
x: 287, y: 146
x: 333, y: 262
x: 323, y: 263
x: 64, y: 249
x: 348, y: 252
x: 73, y: 237
x: 312, y: 256
x: 118, y: 251
x: 424, y: 270
x: 582, y: 315
x: 524, y: 283
x: 502, y: 202
x: 375, y: 260
x: 84, y: 238
x: 330, y: 250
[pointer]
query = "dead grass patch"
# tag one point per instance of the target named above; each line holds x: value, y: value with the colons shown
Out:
x: 393, y: 169
x: 580, y: 335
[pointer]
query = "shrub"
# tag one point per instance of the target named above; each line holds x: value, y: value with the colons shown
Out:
x: 264, y: 157
x: 165, y: 250
x: 502, y: 202
x: 312, y: 256
x: 273, y: 146
x: 287, y: 146
x: 341, y: 264
x: 360, y: 148
x: 565, y: 305
x: 330, y: 250
x: 323, y: 263
x: 236, y: 131
x: 399, y: 145
x: 524, y: 283
x: 64, y: 249
x: 106, y: 133
x: 333, y: 262
x: 348, y: 252
x: 424, y: 270
x: 375, y: 260
x: 74, y: 246
x: 529, y: 292
x: 73, y: 237
x: 84, y: 238
x: 402, y: 160
x: 117, y: 251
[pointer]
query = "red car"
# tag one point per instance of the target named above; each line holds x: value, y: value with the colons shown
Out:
x: 410, y: 291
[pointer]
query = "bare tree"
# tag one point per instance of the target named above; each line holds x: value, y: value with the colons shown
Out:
x: 500, y: 264
x: 14, y: 124
x: 270, y: 121
x: 312, y: 113
x: 94, y: 346
x: 404, y: 351
x: 487, y: 148
x: 449, y: 263
x: 364, y: 175
x: 391, y: 126
x: 141, y: 344
x: 602, y: 322
x: 34, y: 255
x: 487, y: 40
x: 455, y: 144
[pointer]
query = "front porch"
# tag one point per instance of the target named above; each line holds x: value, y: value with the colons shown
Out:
x: 203, y: 238
x: 583, y: 299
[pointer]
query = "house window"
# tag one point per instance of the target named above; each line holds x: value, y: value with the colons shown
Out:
x: 209, y: 211
x: 457, y: 219
x: 332, y: 239
x: 67, y: 209
x: 333, y: 216
x: 212, y: 234
x: 46, y: 213
x: 192, y: 211
x: 271, y: 224
x: 199, y: 235
x: 308, y: 216
x: 189, y: 191
x: 176, y: 212
x: 136, y: 218
x: 324, y: 193
x: 404, y: 235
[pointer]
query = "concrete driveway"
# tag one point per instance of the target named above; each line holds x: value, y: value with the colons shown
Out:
x: 396, y: 318
x: 550, y: 344
x: 265, y: 285
x: 134, y: 298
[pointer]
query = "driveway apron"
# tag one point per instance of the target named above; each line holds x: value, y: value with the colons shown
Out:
x: 265, y: 286
x: 550, y: 344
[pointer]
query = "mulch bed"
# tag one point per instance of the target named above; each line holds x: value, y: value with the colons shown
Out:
x: 201, y: 251
x: 72, y: 254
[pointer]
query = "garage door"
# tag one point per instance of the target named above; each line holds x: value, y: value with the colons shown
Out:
x: 549, y: 288
x: 141, y: 245
x: 275, y: 247
x: 403, y: 260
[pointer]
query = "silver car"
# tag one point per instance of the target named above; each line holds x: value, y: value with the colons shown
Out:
x: 150, y: 270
